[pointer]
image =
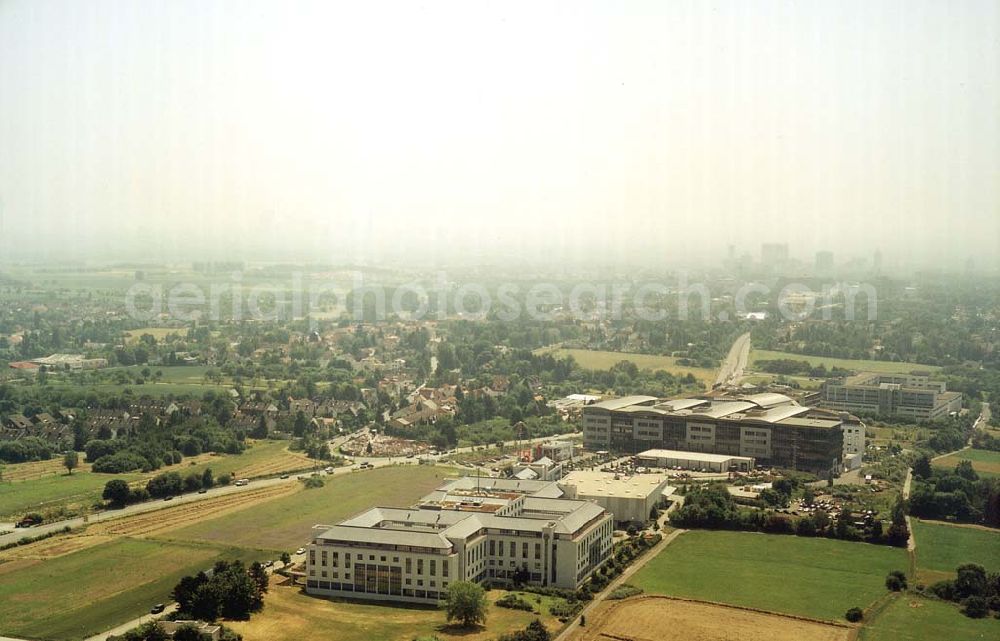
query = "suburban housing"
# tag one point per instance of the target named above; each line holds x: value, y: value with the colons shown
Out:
x: 469, y: 529
x: 770, y: 428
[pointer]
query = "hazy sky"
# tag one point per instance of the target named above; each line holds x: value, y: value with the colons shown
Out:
x: 673, y: 128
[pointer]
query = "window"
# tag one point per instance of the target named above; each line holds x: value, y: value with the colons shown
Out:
x: 433, y: 567
x: 493, y: 548
x: 325, y: 558
x: 513, y: 548
x: 409, y: 565
x: 420, y: 566
x: 312, y: 557
x: 524, y: 549
x: 444, y: 568
x: 538, y: 550
x: 336, y: 558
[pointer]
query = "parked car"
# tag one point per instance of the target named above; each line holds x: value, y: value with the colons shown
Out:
x: 156, y: 609
x: 168, y: 498
x: 300, y: 551
x: 202, y: 491
x: 284, y: 476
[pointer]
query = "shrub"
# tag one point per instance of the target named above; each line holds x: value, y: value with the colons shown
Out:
x: 514, y: 602
x: 624, y: 592
x: 854, y: 615
x: 976, y: 607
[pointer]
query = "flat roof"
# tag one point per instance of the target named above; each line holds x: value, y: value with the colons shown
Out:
x: 589, y: 483
x: 692, y: 456
x: 624, y: 401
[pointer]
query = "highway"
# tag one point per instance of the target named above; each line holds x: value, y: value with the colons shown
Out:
x: 732, y: 367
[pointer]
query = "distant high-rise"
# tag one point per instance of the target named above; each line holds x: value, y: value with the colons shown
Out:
x: 773, y: 254
x: 824, y: 263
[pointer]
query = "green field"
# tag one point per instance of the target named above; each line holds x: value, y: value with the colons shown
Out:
x: 818, y: 578
x: 882, y: 367
x: 985, y: 462
x: 80, y: 594
x: 81, y: 488
x: 84, y: 488
x: 286, y: 523
x: 941, y: 547
x: 159, y: 333
x: 596, y: 359
x: 911, y: 618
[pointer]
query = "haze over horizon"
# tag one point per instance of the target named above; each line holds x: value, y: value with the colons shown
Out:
x: 578, y: 131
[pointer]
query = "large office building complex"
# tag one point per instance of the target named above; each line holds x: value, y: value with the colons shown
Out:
x: 913, y: 396
x: 467, y: 530
x: 771, y: 429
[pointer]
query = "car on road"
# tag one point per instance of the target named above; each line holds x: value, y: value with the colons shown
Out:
x: 156, y: 609
x: 300, y: 551
x: 168, y: 498
x: 242, y: 482
x: 203, y: 491
x: 284, y: 476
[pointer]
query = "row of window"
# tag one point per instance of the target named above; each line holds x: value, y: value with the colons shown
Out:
x: 351, y: 587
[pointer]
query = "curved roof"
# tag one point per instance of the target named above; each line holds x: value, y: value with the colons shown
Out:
x: 767, y: 399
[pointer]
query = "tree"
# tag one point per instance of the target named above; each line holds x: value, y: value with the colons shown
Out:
x: 167, y: 484
x: 206, y: 478
x: 259, y: 576
x: 286, y: 559
x: 964, y: 469
x: 922, y: 466
x: 854, y: 615
x: 116, y: 492
x: 971, y: 581
x: 188, y: 632
x: 466, y: 602
x: 151, y: 631
x: 70, y: 460
x: 895, y: 581
x: 976, y: 607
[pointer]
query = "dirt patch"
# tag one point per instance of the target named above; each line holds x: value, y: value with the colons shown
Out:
x: 666, y: 619
x: 186, y: 514
x: 284, y: 462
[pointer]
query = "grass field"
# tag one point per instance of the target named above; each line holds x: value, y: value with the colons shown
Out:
x: 286, y: 523
x: 910, y: 618
x: 985, y: 462
x: 290, y: 615
x: 941, y: 548
x: 84, y: 488
x: 883, y: 367
x: 80, y: 489
x: 819, y: 578
x: 596, y: 359
x: 74, y: 596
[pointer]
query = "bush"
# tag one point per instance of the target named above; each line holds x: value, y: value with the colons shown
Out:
x: 624, y: 592
x: 854, y: 615
x: 976, y: 607
x: 514, y: 602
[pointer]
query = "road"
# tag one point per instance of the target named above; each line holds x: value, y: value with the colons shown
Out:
x: 732, y: 368
x: 152, y: 506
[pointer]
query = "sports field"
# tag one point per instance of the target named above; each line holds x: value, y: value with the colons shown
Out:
x: 80, y: 594
x: 818, y: 578
x: 911, y: 618
x: 286, y: 523
x: 857, y: 365
x: 984, y: 462
x: 942, y: 547
x: 597, y: 359
x: 290, y: 615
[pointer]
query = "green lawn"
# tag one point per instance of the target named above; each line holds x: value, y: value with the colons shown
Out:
x: 911, y: 618
x: 942, y: 547
x: 82, y: 488
x: 80, y: 594
x: 286, y: 523
x: 819, y: 578
x: 985, y: 462
x: 858, y: 365
x: 597, y: 359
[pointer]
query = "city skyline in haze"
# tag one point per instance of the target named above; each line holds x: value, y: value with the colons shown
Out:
x: 591, y: 132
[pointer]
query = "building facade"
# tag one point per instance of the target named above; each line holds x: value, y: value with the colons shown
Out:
x: 492, y: 531
x: 770, y: 428
x: 916, y: 397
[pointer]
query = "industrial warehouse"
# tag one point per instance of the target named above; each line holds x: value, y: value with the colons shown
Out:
x: 771, y: 429
x: 468, y: 530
